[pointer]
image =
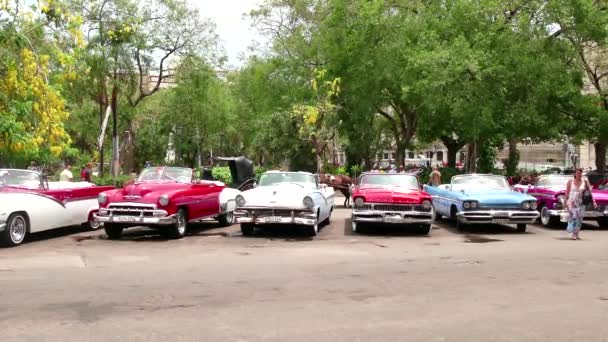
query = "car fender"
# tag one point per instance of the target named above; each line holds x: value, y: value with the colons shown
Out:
x: 228, y: 199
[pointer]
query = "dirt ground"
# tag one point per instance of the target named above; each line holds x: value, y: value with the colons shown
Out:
x: 486, y: 284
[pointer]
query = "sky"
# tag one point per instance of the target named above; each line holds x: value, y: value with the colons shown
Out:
x: 235, y: 31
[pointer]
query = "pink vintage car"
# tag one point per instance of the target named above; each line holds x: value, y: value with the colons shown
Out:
x: 550, y: 192
x: 32, y: 204
x: 167, y: 198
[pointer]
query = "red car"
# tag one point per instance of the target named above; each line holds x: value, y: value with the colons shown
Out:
x: 167, y: 198
x: 391, y: 198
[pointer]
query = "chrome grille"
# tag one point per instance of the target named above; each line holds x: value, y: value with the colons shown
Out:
x: 392, y: 207
x: 129, y: 210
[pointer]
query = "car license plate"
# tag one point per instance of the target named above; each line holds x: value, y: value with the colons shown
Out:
x: 275, y: 219
x: 501, y: 221
x: 127, y: 218
x: 393, y: 219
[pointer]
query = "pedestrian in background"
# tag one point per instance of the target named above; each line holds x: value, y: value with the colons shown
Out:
x: 87, y: 171
x: 66, y: 175
x: 33, y: 167
x: 435, y: 177
x: 578, y: 192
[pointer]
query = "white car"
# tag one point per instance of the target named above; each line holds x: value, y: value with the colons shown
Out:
x: 294, y: 198
x: 29, y: 204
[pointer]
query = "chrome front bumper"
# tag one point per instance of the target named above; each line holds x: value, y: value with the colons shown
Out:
x: 297, y: 217
x: 136, y: 220
x: 589, y: 214
x: 497, y: 216
x: 393, y: 217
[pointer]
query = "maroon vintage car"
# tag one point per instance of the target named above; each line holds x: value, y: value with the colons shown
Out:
x: 167, y: 198
x: 391, y: 199
x: 550, y: 192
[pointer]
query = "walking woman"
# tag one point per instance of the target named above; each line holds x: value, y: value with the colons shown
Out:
x: 578, y: 194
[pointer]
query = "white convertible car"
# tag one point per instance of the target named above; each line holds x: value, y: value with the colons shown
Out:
x: 294, y: 198
x: 29, y: 204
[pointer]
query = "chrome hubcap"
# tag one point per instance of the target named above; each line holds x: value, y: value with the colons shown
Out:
x: 230, y: 217
x: 17, y: 229
x: 181, y: 223
x: 94, y: 225
x: 544, y: 216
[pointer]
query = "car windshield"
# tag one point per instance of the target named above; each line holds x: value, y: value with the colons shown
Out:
x: 401, y: 180
x: 22, y: 178
x: 169, y: 174
x: 479, y: 182
x: 553, y: 181
x: 275, y: 178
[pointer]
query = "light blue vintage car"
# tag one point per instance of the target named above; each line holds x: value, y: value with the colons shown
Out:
x: 480, y: 198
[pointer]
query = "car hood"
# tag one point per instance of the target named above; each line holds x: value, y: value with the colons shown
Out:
x: 143, y: 189
x: 282, y: 195
x: 390, y: 194
x: 498, y: 197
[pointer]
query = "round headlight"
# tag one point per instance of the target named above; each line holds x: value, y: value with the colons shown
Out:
x: 466, y: 205
x: 426, y: 204
x: 163, y: 200
x: 533, y: 205
x: 102, y: 198
x: 308, y: 202
x: 240, y: 201
x: 359, y: 201
x: 474, y: 205
x: 525, y: 205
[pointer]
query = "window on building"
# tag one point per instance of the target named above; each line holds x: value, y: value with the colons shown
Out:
x: 439, y: 155
x: 385, y: 155
x: 393, y: 155
x: 410, y: 155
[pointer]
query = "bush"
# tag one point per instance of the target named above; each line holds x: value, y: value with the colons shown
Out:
x: 109, y: 180
x: 222, y: 173
x: 259, y: 170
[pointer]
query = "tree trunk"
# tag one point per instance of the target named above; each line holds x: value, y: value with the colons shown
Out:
x: 400, y: 153
x: 453, y: 147
x: 511, y: 164
x: 114, y: 103
x: 103, y: 103
x: 471, y: 164
x: 600, y: 156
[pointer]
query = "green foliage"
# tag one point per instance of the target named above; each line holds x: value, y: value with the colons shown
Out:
x: 259, y: 170
x: 106, y: 180
x: 446, y: 175
x: 222, y: 173
x: 487, y: 158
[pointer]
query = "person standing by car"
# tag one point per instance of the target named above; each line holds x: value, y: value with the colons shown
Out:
x: 435, y: 177
x: 86, y: 173
x: 576, y: 191
x: 66, y: 175
x: 33, y: 167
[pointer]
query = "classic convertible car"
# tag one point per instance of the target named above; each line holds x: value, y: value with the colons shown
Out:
x: 285, y: 198
x: 392, y: 199
x: 30, y: 204
x: 167, y: 198
x: 479, y: 199
x: 550, y: 192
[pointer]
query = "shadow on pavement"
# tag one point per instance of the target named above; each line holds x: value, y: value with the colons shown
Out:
x: 384, y: 230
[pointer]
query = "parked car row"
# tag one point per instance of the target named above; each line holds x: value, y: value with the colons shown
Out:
x: 168, y: 198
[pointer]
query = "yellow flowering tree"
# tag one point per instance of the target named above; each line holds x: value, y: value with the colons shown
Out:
x: 317, y: 119
x: 32, y: 113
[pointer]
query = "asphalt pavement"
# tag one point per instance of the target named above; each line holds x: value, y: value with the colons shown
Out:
x: 486, y: 284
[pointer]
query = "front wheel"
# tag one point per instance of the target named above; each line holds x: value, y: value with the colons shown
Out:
x: 178, y: 229
x: 521, y: 227
x: 113, y: 231
x: 425, y: 229
x: 226, y: 219
x: 16, y: 230
x: 247, y: 229
x: 546, y: 219
x: 312, y: 230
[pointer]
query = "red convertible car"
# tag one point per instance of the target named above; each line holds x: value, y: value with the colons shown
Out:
x: 391, y: 199
x: 167, y: 198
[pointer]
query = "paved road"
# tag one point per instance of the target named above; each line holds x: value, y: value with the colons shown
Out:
x: 490, y: 284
